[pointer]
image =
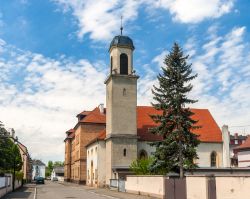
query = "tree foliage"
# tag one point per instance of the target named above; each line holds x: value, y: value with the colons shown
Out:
x: 174, y: 122
x: 9, y: 152
x: 51, y: 165
x: 141, y: 166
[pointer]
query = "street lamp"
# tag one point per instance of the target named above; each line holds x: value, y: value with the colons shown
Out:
x: 14, y: 171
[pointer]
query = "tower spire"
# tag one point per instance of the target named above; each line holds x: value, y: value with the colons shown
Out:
x: 121, y: 26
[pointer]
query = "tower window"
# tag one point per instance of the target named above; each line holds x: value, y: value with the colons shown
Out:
x: 213, y: 159
x: 124, y: 152
x: 111, y: 65
x: 123, y: 64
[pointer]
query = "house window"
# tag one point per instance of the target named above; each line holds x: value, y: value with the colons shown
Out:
x: 124, y: 152
x: 143, y: 154
x: 213, y: 158
x: 123, y: 64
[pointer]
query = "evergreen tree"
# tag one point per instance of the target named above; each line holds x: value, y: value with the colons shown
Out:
x: 177, y: 150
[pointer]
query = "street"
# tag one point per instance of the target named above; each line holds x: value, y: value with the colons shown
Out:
x: 54, y: 190
x: 60, y: 190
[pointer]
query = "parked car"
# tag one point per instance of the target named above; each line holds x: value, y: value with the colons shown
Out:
x: 39, y: 180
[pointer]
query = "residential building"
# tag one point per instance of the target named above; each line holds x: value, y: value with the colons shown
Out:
x: 242, y: 153
x: 57, y: 173
x: 38, y: 169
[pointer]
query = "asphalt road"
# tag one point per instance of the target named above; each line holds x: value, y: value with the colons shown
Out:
x: 54, y: 190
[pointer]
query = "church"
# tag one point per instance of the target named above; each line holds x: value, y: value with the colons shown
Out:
x: 105, y: 141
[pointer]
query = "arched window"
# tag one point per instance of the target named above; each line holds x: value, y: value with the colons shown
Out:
x: 124, y: 152
x: 143, y: 154
x: 111, y: 64
x: 213, y: 158
x: 123, y: 64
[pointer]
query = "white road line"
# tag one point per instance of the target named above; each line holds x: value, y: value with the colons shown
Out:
x: 35, y: 194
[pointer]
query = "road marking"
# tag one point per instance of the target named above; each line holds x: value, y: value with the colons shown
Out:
x: 35, y: 194
x: 103, y: 195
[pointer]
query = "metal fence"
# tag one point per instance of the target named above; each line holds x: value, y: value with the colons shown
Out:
x: 118, y: 183
x: 113, y: 183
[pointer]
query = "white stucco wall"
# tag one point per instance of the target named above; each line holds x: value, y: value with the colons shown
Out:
x: 142, y: 145
x: 101, y: 164
x: 146, y: 185
x: 244, y: 158
x: 196, y: 187
x: 232, y: 187
x: 96, y: 154
x: 41, y: 171
x: 204, y: 151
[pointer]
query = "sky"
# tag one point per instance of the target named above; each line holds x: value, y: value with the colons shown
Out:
x: 54, y: 60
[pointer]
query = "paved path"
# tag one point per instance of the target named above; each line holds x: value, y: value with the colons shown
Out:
x: 56, y: 190
x: 26, y: 192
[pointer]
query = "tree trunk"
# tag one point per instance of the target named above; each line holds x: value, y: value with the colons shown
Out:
x: 181, y: 160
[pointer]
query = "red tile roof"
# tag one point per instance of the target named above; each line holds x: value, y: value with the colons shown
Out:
x: 209, y: 131
x: 70, y: 131
x: 244, y: 146
x: 83, y: 113
x: 95, y: 116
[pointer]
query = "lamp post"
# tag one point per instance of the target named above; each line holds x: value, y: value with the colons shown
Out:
x: 14, y: 165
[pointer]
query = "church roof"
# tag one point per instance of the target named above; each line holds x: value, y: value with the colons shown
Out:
x: 121, y: 40
x: 209, y: 131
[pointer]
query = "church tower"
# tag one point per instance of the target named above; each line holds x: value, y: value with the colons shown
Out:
x: 121, y: 102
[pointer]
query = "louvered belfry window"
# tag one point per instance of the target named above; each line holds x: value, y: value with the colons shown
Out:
x: 123, y: 64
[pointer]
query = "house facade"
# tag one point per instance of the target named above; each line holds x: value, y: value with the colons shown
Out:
x: 26, y: 159
x: 57, y: 173
x: 105, y: 142
x: 242, y: 153
x: 38, y: 169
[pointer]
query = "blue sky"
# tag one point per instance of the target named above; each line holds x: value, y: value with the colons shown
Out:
x: 54, y: 59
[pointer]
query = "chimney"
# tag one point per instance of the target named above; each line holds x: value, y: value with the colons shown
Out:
x: 13, y: 133
x: 101, y: 108
x: 226, y: 140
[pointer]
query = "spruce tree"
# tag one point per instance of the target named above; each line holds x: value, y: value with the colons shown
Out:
x: 177, y: 150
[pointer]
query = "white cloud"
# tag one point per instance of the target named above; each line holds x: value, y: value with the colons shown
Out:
x: 40, y: 104
x: 223, y: 82
x: 101, y: 19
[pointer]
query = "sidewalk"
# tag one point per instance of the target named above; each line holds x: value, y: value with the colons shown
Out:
x: 107, y: 192
x: 26, y: 192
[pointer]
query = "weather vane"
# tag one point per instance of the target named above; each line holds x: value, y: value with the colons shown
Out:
x: 121, y: 26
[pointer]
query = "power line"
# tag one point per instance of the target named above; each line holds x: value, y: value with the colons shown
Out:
x: 240, y: 126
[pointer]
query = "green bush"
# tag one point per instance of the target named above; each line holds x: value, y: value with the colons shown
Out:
x: 141, y: 166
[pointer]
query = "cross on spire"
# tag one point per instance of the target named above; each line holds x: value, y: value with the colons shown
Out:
x: 121, y: 26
